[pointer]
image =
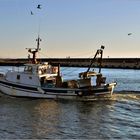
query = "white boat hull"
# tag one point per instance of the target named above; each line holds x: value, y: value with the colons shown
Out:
x: 55, y: 93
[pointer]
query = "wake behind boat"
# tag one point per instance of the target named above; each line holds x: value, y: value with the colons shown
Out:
x: 42, y: 80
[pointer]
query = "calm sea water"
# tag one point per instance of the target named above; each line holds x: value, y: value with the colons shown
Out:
x: 118, y: 118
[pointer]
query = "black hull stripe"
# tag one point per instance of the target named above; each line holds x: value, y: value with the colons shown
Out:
x: 56, y: 90
x: 36, y: 92
x: 19, y: 86
x: 76, y: 91
x: 20, y: 89
x: 34, y: 89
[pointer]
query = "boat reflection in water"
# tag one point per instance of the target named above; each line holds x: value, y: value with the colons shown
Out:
x: 23, y: 118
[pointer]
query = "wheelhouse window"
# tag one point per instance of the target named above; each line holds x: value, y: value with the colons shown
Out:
x: 30, y: 77
x: 18, y: 77
x: 28, y: 69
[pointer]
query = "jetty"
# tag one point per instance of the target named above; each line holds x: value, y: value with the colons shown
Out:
x: 121, y: 63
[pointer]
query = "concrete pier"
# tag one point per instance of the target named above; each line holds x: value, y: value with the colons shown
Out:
x: 124, y: 63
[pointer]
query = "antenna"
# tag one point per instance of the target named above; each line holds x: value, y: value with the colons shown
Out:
x: 38, y: 42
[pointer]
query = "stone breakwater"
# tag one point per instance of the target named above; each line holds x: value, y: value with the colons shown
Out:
x: 124, y: 63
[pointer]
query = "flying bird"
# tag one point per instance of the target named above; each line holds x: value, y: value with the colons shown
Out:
x: 129, y: 33
x: 32, y: 13
x: 39, y: 6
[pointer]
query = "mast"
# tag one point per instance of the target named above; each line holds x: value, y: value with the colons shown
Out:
x: 34, y: 51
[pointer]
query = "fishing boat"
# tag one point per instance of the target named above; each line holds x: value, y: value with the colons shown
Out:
x: 43, y: 80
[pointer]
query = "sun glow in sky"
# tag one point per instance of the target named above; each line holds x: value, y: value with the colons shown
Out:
x: 75, y: 28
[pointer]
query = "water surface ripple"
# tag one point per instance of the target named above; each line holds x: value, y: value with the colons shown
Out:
x: 119, y: 118
x: 59, y: 119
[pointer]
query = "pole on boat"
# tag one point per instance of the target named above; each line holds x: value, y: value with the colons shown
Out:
x: 99, y: 52
x: 38, y: 43
x: 58, y: 78
x: 92, y: 61
x: 101, y: 58
x: 58, y: 74
x: 34, y: 51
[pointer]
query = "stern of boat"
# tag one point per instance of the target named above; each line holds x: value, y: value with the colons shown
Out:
x: 111, y: 87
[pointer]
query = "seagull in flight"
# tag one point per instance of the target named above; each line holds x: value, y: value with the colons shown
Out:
x: 39, y: 6
x: 129, y: 33
x: 32, y: 13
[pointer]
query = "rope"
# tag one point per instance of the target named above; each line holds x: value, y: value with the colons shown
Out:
x: 81, y: 54
x: 44, y: 54
x: 69, y: 73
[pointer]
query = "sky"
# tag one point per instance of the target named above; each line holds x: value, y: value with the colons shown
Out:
x: 70, y: 28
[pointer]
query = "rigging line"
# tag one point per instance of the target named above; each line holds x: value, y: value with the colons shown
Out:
x: 70, y: 72
x: 77, y: 68
x: 65, y: 68
x: 91, y: 56
x: 44, y: 54
x: 39, y: 25
x: 38, y: 7
x: 80, y: 54
x: 70, y: 75
x: 85, y: 53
